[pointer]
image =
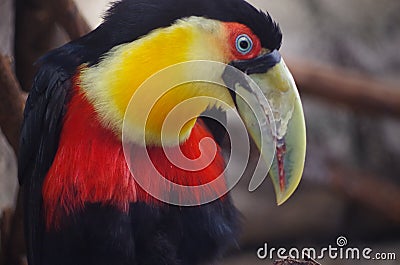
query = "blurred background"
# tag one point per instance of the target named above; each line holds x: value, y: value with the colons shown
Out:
x: 345, y: 56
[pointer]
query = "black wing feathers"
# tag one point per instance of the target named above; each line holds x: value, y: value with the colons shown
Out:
x: 44, y: 112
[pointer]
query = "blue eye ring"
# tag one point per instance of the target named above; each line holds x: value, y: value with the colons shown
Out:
x: 244, y: 44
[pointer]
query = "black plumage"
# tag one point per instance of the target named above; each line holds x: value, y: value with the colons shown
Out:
x: 149, y: 235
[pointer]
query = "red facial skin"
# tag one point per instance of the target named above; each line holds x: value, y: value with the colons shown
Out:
x: 234, y: 30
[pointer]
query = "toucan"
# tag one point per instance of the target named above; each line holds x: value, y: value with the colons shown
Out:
x: 91, y: 185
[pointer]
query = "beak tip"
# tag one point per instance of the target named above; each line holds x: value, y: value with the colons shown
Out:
x: 283, y: 196
x: 281, y: 200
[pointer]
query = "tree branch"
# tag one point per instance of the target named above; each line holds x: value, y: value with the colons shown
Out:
x: 33, y: 42
x: 343, y: 87
x: 11, y: 103
x: 69, y: 18
x: 14, y: 247
x: 376, y: 192
x: 5, y: 228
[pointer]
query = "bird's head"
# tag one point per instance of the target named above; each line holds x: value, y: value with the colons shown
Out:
x: 149, y: 36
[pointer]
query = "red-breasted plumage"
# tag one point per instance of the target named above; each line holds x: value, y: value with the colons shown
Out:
x: 96, y: 169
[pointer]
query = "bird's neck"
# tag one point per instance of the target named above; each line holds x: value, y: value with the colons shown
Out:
x: 90, y: 165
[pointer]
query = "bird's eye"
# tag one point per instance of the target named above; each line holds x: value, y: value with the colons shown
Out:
x: 244, y: 44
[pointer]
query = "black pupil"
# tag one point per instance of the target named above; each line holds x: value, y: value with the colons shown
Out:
x: 244, y: 44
